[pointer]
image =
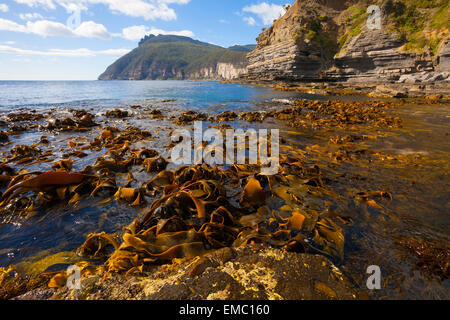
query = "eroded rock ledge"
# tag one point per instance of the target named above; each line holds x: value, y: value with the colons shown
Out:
x: 251, y: 272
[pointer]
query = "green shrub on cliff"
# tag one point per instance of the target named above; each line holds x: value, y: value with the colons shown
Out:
x: 356, y: 20
x: 318, y: 34
x: 441, y: 18
x: 419, y: 23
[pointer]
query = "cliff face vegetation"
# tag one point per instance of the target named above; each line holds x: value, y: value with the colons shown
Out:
x: 328, y: 39
x: 174, y: 57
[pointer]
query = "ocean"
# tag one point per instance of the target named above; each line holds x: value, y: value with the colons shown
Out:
x: 203, y: 94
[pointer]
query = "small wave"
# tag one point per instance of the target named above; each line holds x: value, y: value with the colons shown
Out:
x: 408, y: 151
x: 283, y: 101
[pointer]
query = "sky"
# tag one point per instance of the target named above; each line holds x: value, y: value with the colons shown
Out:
x: 79, y: 39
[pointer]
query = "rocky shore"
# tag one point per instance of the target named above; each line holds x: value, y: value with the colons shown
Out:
x: 248, y: 237
x: 249, y: 273
x: 438, y: 91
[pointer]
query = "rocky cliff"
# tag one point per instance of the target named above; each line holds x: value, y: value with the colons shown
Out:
x: 331, y: 40
x: 376, y: 55
x: 175, y: 57
x: 221, y: 71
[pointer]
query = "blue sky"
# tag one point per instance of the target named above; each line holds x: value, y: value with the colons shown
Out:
x: 78, y: 39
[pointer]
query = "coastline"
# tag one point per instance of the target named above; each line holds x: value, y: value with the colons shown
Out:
x: 377, y: 90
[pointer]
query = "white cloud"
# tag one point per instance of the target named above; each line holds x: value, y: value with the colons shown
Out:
x: 136, y: 33
x: 45, y: 28
x: 88, y: 29
x: 38, y: 3
x: 30, y: 16
x: 266, y: 12
x: 91, y: 29
x: 147, y: 9
x: 4, y: 7
x: 250, y: 21
x: 8, y: 25
x: 64, y: 53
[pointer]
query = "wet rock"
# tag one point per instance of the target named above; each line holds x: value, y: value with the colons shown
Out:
x: 431, y: 259
x: 156, y: 114
x: 84, y: 123
x: 384, y: 91
x: 189, y: 117
x: 44, y: 140
x: 16, y: 129
x: 253, y: 116
x: 24, y: 116
x: 34, y: 288
x: 252, y: 272
x: 85, y: 119
x: 117, y: 113
x: 3, y: 136
x: 24, y: 151
x: 38, y: 294
x: 79, y: 113
x: 226, y: 116
x: 212, y: 260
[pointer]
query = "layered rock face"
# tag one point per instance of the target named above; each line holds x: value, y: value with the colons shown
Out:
x: 284, y: 60
x: 377, y: 55
x: 222, y: 71
x: 307, y: 44
x: 282, y: 54
x: 143, y: 71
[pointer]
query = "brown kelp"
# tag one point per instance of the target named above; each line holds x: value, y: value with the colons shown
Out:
x: 196, y: 214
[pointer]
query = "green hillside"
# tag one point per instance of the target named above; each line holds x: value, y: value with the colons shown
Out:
x: 171, y: 57
x: 245, y: 48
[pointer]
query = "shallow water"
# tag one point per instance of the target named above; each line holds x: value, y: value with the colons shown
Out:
x: 418, y: 182
x: 64, y: 229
